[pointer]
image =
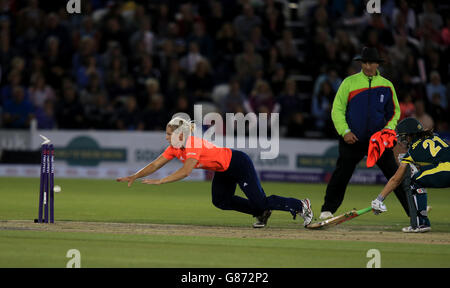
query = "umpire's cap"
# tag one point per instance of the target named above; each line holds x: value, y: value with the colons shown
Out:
x: 369, y: 54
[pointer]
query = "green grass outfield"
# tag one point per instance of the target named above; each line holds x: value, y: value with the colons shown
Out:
x: 189, y: 203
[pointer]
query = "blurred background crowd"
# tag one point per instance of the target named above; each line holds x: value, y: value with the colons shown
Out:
x: 130, y: 65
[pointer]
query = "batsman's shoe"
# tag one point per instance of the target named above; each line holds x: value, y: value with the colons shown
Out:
x: 326, y: 215
x: 307, y: 213
x: 261, y: 221
x: 420, y: 229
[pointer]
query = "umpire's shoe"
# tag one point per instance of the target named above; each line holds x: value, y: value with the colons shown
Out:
x: 326, y: 215
x: 262, y: 219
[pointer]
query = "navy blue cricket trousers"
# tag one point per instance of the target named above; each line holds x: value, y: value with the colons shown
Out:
x: 242, y: 172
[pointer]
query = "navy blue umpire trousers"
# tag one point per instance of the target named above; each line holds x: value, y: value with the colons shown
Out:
x: 242, y: 172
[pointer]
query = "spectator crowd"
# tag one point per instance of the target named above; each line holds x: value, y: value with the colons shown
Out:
x: 131, y: 65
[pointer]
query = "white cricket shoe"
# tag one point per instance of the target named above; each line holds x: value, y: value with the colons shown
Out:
x: 307, y: 213
x: 325, y: 215
x: 420, y: 229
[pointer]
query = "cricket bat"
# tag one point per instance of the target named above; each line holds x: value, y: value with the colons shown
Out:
x: 339, y: 219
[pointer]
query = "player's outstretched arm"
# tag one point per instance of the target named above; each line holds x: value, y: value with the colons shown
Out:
x: 147, y: 170
x: 395, y: 180
x: 181, y: 173
x: 377, y: 204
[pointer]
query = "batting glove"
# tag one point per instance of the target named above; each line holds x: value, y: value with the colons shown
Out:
x: 378, y: 207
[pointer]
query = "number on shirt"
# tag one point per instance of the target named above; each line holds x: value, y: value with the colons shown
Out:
x: 432, y: 145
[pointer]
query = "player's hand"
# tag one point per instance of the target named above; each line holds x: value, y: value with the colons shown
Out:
x: 350, y: 138
x: 129, y: 179
x: 151, y: 181
x: 378, y: 207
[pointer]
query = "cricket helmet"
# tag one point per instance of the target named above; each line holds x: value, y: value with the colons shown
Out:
x: 408, y: 126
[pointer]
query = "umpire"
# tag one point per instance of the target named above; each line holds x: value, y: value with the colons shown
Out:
x: 365, y: 103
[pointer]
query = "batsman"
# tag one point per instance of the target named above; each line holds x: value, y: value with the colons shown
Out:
x: 429, y: 158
